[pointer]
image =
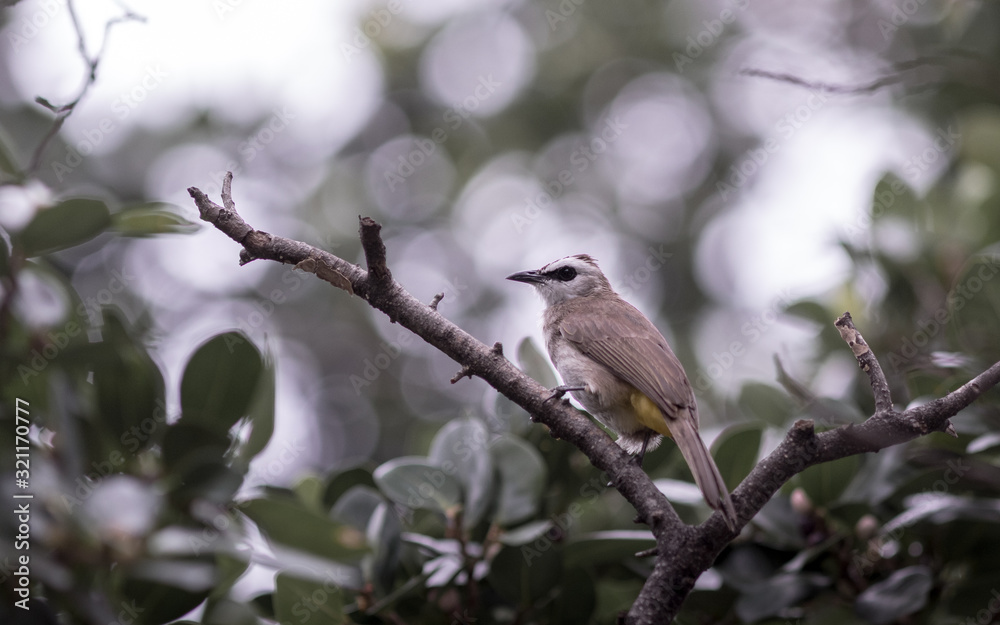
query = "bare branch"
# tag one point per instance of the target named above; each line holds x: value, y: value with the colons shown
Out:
x: 64, y: 111
x: 682, y: 552
x: 867, y: 362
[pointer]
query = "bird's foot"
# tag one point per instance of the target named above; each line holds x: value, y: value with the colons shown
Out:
x: 559, y: 391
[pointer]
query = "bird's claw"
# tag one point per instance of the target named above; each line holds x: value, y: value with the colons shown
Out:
x: 559, y: 391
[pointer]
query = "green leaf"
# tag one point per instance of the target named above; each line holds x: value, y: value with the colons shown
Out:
x: 767, y: 403
x: 736, y: 450
x: 522, y: 479
x: 260, y: 416
x: 64, y: 225
x: 522, y: 575
x: 808, y: 309
x: 129, y: 387
x: 8, y: 164
x: 310, y: 492
x: 158, y: 602
x: 307, y: 602
x: 356, y: 506
x: 145, y: 220
x: 461, y: 449
x: 418, y: 483
x: 529, y: 532
x: 339, y: 483
x: 186, y: 444
x: 972, y: 313
x: 824, y: 483
x: 535, y: 364
x: 904, y: 592
x: 294, y: 525
x: 220, y: 381
x: 384, y: 532
x: 577, y: 598
x: 771, y: 596
x: 606, y: 547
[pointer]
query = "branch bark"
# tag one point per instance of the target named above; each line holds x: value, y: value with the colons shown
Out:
x: 682, y: 552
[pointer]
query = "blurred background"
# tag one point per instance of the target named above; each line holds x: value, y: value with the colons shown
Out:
x: 744, y: 171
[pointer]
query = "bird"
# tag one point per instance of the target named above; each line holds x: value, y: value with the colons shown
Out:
x: 616, y: 363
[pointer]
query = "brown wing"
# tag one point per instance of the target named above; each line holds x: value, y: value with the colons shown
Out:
x: 622, y: 339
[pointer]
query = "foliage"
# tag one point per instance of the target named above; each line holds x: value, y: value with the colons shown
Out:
x: 145, y: 515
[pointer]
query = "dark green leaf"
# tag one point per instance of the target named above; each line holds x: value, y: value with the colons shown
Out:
x: 340, y: 483
x: 522, y: 479
x: 157, y: 602
x: 310, y: 492
x: 735, y: 451
x: 808, y: 309
x: 603, y: 547
x: 296, y: 526
x: 529, y: 532
x: 307, y: 602
x: 145, y: 220
x: 535, y: 364
x: 129, y: 386
x: 825, y: 482
x: 384, y: 533
x: 767, y: 403
x: 771, y: 596
x: 66, y: 224
x: 187, y: 444
x: 577, y: 598
x: 220, y: 381
x: 356, y: 506
x: 8, y: 164
x: 261, y: 416
x: 461, y: 449
x: 522, y: 575
x: 904, y: 592
x: 415, y: 482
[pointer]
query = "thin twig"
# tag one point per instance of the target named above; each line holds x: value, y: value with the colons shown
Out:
x: 868, y: 363
x: 64, y: 111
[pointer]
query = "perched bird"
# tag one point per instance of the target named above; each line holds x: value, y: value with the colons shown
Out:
x: 618, y: 365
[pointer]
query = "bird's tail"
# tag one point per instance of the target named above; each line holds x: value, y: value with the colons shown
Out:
x: 706, y: 473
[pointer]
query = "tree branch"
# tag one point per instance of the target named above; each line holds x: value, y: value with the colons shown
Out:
x: 682, y: 552
x: 64, y: 111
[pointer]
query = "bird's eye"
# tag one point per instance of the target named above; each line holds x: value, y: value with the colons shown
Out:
x: 565, y: 273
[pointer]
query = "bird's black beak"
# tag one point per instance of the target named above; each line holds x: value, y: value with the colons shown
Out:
x: 529, y: 277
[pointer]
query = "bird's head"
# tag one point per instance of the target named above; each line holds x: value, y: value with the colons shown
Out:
x: 566, y: 278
